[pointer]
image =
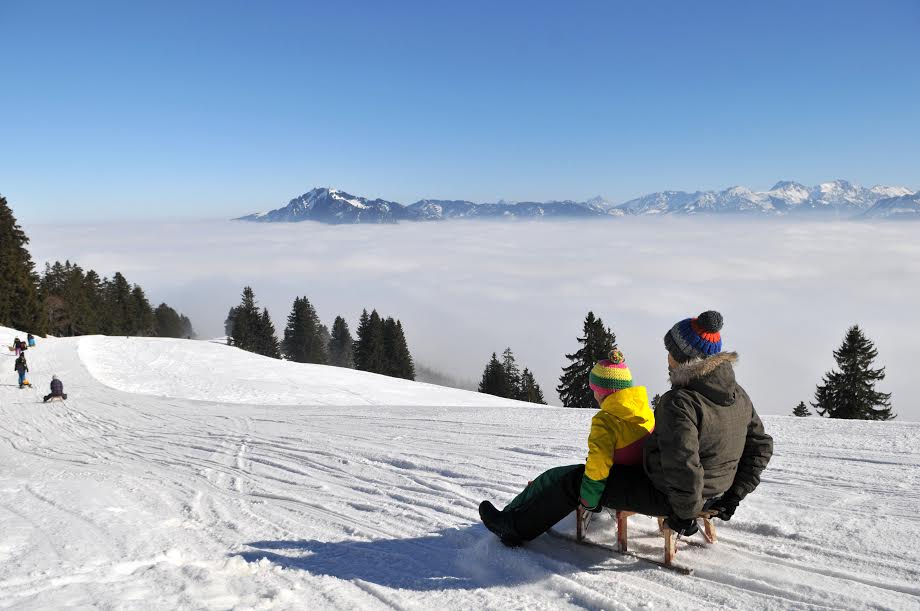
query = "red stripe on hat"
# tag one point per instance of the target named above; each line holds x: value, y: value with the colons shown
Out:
x: 709, y: 337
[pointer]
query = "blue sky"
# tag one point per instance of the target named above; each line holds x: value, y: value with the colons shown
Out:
x: 191, y: 109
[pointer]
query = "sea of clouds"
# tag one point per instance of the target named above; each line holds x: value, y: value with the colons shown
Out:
x: 788, y: 291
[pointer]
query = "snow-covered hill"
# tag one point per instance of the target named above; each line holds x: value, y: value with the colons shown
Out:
x: 184, y: 474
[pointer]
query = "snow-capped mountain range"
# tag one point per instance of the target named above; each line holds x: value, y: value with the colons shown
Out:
x: 837, y: 199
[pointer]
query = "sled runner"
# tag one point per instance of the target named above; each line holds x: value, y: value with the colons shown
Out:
x: 583, y: 518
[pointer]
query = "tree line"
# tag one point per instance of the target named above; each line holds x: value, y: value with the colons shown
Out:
x: 82, y: 303
x: 380, y: 346
x: 68, y: 301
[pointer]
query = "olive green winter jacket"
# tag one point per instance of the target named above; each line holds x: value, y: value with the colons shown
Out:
x: 708, y: 438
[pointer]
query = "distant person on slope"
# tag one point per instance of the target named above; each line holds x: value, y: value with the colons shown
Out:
x: 21, y: 367
x: 57, y: 390
x: 31, y: 340
x: 612, y: 474
x: 17, y: 346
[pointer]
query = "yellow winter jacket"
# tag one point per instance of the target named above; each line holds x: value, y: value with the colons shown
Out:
x: 618, y: 432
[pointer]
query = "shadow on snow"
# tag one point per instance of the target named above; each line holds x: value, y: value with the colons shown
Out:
x: 450, y: 559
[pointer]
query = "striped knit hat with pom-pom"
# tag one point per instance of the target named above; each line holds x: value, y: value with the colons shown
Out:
x: 611, y: 374
x: 695, y: 337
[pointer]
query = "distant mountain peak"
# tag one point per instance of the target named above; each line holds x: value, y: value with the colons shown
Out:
x: 840, y: 198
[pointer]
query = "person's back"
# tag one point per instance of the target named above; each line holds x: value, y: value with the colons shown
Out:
x: 57, y: 389
x: 708, y: 440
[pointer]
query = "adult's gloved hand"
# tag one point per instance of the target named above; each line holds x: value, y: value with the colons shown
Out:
x: 684, y: 527
x: 726, y: 506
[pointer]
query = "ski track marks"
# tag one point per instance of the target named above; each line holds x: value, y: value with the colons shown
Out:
x: 139, y: 493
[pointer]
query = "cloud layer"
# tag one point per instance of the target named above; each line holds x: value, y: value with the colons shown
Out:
x: 788, y: 291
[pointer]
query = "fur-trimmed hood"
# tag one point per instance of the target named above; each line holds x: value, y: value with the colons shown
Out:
x: 713, y: 377
x: 684, y: 373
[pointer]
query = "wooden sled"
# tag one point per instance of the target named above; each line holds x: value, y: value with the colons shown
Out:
x: 583, y: 518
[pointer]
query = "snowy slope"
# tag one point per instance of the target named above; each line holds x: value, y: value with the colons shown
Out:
x: 339, y: 495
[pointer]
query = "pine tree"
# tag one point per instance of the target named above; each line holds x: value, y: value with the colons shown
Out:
x: 494, y: 381
x: 119, y: 306
x: 369, y: 349
x: 20, y: 305
x: 850, y: 393
x: 341, y: 352
x: 529, y: 390
x: 512, y: 373
x: 597, y: 342
x: 246, y: 319
x: 188, y: 330
x: 169, y: 323
x: 655, y: 401
x: 266, y: 340
x: 142, y: 318
x: 397, y: 361
x: 800, y: 410
x: 303, y: 341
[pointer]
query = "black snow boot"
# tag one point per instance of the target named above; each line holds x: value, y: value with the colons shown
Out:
x: 500, y: 523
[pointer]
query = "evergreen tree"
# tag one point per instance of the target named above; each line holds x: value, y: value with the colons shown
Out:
x: 359, y: 349
x: 142, y: 320
x: 266, y: 340
x: 322, y: 331
x: 494, y: 380
x: 169, y: 323
x: 512, y: 373
x: 850, y: 393
x: 369, y: 348
x: 655, y: 401
x: 93, y: 291
x: 597, y: 342
x: 340, y: 349
x: 529, y: 389
x: 246, y: 323
x: 228, y: 324
x: 397, y: 361
x: 20, y: 305
x: 800, y: 410
x: 303, y: 341
x: 187, y: 329
x: 119, y: 306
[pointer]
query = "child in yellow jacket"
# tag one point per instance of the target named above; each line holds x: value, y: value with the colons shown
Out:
x: 618, y: 432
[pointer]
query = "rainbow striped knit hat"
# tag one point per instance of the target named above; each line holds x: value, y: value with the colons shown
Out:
x: 695, y: 337
x: 610, y: 375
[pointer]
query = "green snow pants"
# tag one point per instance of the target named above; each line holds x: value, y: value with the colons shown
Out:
x: 554, y: 494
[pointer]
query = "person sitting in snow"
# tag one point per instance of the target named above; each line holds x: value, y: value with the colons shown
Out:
x: 57, y: 390
x: 708, y: 447
x: 618, y: 433
x: 21, y: 367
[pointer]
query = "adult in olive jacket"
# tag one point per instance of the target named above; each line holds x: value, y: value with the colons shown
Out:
x: 709, y: 446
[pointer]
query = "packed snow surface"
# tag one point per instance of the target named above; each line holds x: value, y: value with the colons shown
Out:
x: 184, y: 474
